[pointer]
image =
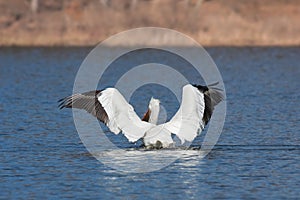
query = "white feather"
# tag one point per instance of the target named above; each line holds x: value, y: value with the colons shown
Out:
x: 185, y: 124
x: 158, y: 133
x: 188, y: 120
x: 121, y: 115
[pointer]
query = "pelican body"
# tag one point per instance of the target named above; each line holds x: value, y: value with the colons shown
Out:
x: 110, y: 107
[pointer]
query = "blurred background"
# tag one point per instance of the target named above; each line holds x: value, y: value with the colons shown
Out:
x: 210, y: 22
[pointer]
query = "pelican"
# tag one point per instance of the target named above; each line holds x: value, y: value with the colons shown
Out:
x: 111, y: 108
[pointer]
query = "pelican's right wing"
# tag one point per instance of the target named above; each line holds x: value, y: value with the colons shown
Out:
x: 188, y: 119
x: 110, y: 107
x: 194, y: 113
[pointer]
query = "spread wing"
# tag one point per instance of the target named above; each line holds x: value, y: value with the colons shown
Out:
x: 111, y: 108
x: 87, y: 101
x: 194, y: 113
x: 212, y: 96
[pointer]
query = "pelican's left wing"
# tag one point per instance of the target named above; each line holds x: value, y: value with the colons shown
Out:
x: 111, y: 108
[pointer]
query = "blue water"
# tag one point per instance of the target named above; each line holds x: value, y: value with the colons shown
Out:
x: 256, y: 157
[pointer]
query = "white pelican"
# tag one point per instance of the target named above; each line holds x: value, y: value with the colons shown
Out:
x: 111, y: 108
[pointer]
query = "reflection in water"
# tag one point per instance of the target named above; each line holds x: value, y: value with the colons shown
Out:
x: 140, y: 161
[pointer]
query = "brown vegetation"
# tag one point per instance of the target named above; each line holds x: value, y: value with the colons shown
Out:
x: 210, y: 22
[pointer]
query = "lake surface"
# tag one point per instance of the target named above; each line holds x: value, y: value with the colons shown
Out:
x: 256, y: 157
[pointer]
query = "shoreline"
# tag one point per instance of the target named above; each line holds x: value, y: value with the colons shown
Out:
x: 213, y: 23
x: 173, y: 46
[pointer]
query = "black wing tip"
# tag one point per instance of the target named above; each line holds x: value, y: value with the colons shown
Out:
x: 201, y: 88
x: 68, y: 101
x: 65, y: 102
x: 216, y: 93
x: 61, y: 104
x: 61, y: 107
x: 208, y: 87
x: 60, y: 100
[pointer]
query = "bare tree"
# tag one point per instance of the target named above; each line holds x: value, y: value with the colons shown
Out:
x: 34, y: 5
x: 133, y: 4
x: 195, y: 3
x: 106, y: 3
